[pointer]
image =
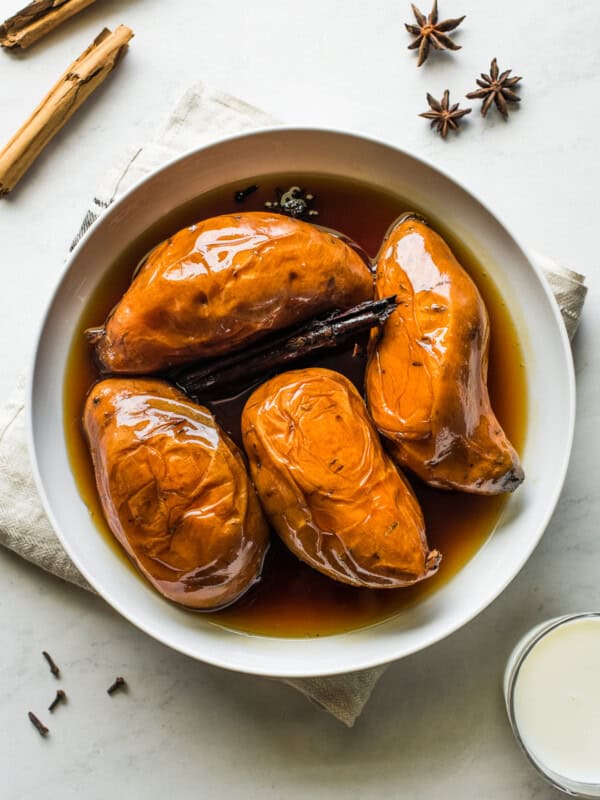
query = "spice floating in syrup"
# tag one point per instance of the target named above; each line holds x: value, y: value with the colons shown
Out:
x: 310, y: 339
x: 242, y: 194
x: 293, y: 203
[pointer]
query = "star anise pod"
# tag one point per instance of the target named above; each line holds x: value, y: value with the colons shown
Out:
x: 497, y: 88
x: 431, y: 32
x: 442, y: 115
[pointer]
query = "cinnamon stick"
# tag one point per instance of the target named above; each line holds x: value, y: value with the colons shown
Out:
x: 315, y: 336
x: 81, y: 78
x: 37, y: 19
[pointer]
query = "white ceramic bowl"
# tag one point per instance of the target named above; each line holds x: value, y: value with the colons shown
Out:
x: 549, y: 374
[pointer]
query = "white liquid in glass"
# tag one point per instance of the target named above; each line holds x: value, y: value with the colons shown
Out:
x: 557, y: 700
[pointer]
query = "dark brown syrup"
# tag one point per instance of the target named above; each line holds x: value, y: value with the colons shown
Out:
x: 291, y: 599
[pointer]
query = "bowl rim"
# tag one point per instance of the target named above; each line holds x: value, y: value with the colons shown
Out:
x: 296, y: 670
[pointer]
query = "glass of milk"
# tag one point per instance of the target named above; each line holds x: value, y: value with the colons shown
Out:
x: 552, y: 692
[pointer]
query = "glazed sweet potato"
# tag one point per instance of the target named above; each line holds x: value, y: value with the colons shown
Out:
x: 224, y: 282
x: 175, y: 492
x: 333, y: 496
x: 426, y: 379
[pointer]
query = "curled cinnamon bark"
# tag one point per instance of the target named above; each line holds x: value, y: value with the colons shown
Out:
x: 33, y: 22
x: 311, y: 338
x: 81, y: 78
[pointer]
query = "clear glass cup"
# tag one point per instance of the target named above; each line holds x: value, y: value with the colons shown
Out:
x: 511, y: 676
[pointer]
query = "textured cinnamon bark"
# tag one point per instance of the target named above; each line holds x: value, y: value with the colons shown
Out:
x: 315, y: 336
x: 33, y: 22
x: 81, y: 78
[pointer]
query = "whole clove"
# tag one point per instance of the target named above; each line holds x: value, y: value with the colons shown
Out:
x: 61, y: 697
x: 38, y: 724
x: 242, y: 194
x: 53, y: 668
x: 119, y: 683
x: 316, y: 336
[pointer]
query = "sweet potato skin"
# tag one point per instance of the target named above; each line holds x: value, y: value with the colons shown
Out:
x: 331, y: 493
x: 175, y: 492
x: 224, y: 282
x: 426, y: 379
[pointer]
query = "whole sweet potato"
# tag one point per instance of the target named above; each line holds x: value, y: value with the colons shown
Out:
x: 217, y: 285
x: 426, y: 379
x: 331, y: 493
x: 175, y: 492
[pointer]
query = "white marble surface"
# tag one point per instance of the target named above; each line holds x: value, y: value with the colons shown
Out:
x: 435, y: 727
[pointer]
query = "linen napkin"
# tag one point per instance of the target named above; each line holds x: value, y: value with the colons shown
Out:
x: 200, y: 117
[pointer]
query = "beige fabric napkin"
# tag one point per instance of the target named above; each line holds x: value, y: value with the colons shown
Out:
x: 200, y: 117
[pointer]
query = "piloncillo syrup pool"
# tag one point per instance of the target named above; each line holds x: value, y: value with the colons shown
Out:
x: 291, y: 599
